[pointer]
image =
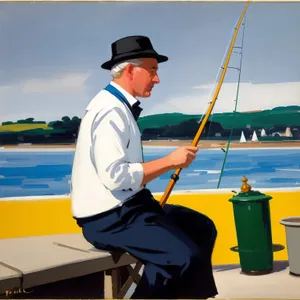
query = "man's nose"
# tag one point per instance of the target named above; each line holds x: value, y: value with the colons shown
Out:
x: 156, y: 79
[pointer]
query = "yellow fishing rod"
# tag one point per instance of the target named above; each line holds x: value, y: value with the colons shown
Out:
x: 175, y: 175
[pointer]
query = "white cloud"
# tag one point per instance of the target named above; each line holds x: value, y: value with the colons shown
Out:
x: 251, y: 97
x: 60, y: 83
x: 45, y: 99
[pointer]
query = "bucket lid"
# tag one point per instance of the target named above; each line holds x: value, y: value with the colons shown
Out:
x: 250, y: 197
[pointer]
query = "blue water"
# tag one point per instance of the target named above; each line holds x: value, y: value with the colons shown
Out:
x: 48, y: 173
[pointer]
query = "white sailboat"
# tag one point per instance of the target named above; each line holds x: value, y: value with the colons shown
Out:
x: 263, y: 132
x: 254, y: 137
x: 243, y: 139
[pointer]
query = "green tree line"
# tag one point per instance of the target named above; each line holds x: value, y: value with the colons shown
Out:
x: 166, y: 126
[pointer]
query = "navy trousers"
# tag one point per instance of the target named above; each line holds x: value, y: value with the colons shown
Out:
x: 174, y: 243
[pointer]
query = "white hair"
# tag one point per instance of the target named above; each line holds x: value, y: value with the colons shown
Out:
x: 117, y: 69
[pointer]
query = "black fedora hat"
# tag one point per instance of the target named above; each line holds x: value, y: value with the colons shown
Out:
x: 132, y: 47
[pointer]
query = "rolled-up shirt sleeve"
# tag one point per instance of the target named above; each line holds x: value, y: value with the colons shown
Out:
x: 110, y: 136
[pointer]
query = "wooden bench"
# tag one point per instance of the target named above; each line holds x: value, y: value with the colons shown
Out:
x: 33, y: 261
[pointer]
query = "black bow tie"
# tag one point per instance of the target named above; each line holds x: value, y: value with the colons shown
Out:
x: 136, y: 110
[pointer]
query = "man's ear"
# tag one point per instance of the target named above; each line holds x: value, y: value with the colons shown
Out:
x: 129, y: 71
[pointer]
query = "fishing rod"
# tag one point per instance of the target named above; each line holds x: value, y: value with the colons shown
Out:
x: 175, y: 175
x: 236, y: 102
x: 215, y: 81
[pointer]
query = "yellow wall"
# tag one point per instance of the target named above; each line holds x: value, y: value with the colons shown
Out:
x: 21, y: 218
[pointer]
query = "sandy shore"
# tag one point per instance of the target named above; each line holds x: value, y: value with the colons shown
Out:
x: 201, y: 144
x: 222, y: 144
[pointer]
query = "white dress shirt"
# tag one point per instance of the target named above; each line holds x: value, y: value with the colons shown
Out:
x: 104, y: 169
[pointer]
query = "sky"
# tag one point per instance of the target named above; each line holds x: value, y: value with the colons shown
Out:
x: 51, y: 53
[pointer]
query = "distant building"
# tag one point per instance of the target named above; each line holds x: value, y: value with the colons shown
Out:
x: 288, y: 132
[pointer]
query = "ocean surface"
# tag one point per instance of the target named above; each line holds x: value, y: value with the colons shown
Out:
x: 35, y: 173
